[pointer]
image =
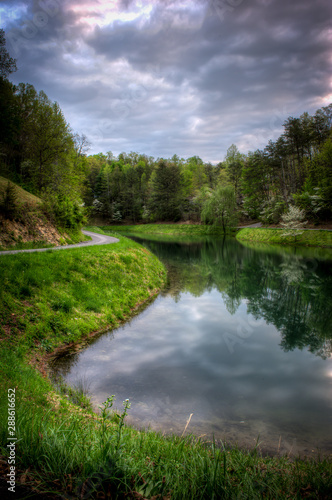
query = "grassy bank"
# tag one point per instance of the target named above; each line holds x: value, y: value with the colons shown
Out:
x: 55, y: 298
x: 171, y: 229
x: 52, y: 298
x: 319, y: 238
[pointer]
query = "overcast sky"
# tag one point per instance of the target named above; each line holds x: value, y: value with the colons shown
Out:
x: 174, y: 77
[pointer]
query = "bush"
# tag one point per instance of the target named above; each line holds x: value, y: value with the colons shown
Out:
x: 272, y: 210
x: 311, y: 201
x: 65, y: 212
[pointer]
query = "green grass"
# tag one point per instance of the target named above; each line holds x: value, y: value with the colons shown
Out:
x: 27, y: 245
x: 22, y: 196
x: 59, y: 297
x: 168, y: 229
x: 319, y: 238
x: 53, y: 298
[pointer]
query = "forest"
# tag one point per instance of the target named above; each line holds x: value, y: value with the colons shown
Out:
x: 40, y: 152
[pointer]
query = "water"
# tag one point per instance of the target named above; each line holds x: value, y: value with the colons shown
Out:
x: 240, y: 338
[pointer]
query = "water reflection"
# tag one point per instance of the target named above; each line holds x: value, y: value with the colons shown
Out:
x: 291, y: 289
x: 240, y: 337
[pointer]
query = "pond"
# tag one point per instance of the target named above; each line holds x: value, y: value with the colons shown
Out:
x: 240, y: 339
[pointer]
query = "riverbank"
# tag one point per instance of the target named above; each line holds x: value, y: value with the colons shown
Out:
x: 58, y: 298
x: 168, y: 229
x: 310, y: 237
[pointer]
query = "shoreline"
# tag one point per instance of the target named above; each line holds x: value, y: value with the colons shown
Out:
x: 310, y: 237
x: 48, y: 419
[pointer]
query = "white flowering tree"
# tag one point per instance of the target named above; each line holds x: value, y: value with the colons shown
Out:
x: 293, y: 221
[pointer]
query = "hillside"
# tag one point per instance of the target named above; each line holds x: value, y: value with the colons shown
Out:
x: 23, y: 222
x: 22, y: 195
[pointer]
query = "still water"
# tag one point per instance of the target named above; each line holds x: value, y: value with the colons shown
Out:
x: 240, y: 338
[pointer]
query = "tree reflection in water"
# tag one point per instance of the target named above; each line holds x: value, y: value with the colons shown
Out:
x: 290, y: 288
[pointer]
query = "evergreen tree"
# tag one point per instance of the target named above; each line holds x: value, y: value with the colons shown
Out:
x: 166, y: 191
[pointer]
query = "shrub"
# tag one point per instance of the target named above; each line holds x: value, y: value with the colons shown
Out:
x: 67, y: 213
x: 272, y: 210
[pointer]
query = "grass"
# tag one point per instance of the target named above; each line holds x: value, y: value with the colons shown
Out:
x: 54, y: 298
x: 319, y: 238
x: 26, y: 245
x: 59, y: 297
x: 22, y: 196
x: 168, y: 229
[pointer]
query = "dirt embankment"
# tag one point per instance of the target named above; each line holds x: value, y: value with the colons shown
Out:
x: 31, y: 228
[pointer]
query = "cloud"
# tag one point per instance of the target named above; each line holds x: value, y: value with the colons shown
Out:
x: 187, y: 77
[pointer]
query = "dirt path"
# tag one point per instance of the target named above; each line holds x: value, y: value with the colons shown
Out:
x: 97, y: 239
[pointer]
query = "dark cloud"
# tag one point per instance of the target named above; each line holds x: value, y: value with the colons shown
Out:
x: 171, y: 77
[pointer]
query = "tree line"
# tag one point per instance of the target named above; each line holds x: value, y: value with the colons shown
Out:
x: 294, y: 170
x: 39, y: 151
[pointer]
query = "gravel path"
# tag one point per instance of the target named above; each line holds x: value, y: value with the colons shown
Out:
x: 97, y: 239
x: 257, y: 224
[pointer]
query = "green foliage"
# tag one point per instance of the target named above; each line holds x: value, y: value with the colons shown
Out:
x: 310, y: 200
x: 48, y: 141
x: 7, y: 63
x: 166, y: 193
x: 320, y: 176
x: 234, y: 162
x: 37, y: 147
x: 8, y: 201
x: 272, y: 210
x: 220, y: 208
x: 66, y: 213
x: 265, y: 181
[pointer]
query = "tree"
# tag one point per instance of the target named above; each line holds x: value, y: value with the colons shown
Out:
x: 220, y: 208
x: 47, y: 141
x: 166, y: 191
x: 7, y: 63
x: 8, y: 201
x: 234, y: 165
x: 320, y: 176
x: 10, y: 126
x: 254, y: 184
x: 293, y: 221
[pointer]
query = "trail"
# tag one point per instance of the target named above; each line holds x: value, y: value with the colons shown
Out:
x: 97, y: 239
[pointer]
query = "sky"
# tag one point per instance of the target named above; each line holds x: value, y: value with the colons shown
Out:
x: 164, y: 77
